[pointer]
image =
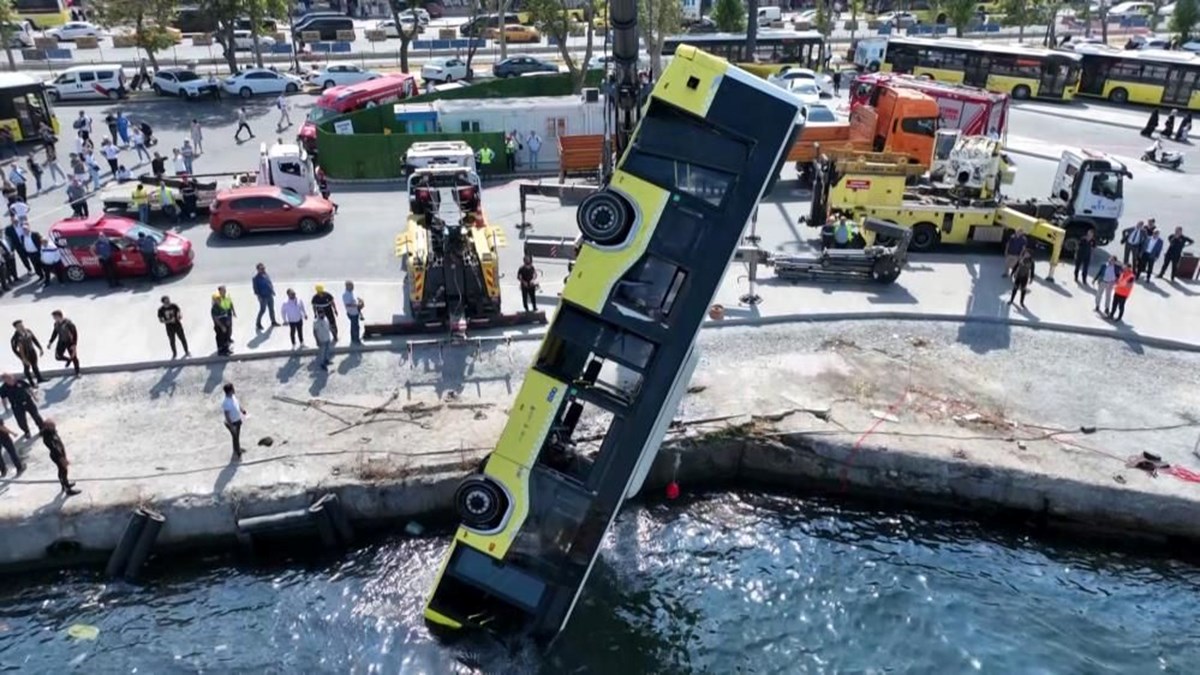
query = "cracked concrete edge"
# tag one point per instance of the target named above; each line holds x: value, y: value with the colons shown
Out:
x: 397, y: 345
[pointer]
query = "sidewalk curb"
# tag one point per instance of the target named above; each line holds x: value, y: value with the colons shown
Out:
x: 400, y: 344
x: 1092, y: 120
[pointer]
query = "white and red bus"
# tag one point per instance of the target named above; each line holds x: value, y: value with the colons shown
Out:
x: 352, y: 98
x: 974, y: 111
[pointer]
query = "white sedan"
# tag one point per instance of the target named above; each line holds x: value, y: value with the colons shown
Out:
x: 261, y: 81
x: 181, y: 82
x: 389, y: 27
x: 787, y: 75
x: 73, y: 30
x: 444, y: 69
x: 341, y: 74
x: 805, y: 90
x: 243, y: 41
x: 603, y: 62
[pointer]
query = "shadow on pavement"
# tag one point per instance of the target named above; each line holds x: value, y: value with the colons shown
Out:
x: 216, y: 376
x: 1183, y: 289
x: 225, y: 476
x: 289, y: 369
x: 349, y: 362
x: 319, y: 380
x: 60, y: 392
x: 273, y: 238
x: 166, y: 383
x: 1130, y: 336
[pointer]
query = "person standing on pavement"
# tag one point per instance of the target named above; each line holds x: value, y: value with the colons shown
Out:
x: 58, y: 455
x: 54, y: 168
x: 1022, y: 274
x: 110, y: 121
x: 1151, y: 124
x: 8, y: 265
x: 323, y: 304
x: 1013, y: 250
x: 187, y: 192
x: 83, y: 125
x: 16, y: 176
x: 166, y: 201
x: 52, y: 262
x: 1185, y: 128
x: 19, y: 211
x: 1175, y: 244
x: 189, y: 156
x: 172, y: 319
x: 27, y: 349
x: 67, y: 336
x: 1169, y: 126
x: 354, y: 307
x: 36, y: 171
x: 535, y: 146
x: 158, y: 165
x: 123, y: 128
x: 837, y: 82
x: 15, y: 233
x: 324, y: 339
x: 139, y: 146
x: 93, y: 169
x: 18, y: 396
x: 103, y: 248
x: 111, y: 154
x: 264, y: 290
x: 527, y: 277
x: 32, y: 241
x: 233, y: 414
x: 177, y: 164
x: 149, y: 250
x: 197, y: 136
x: 227, y: 306
x: 77, y: 196
x: 1121, y: 293
x: 141, y: 201
x: 1083, y: 256
x: 222, y: 326
x: 1151, y: 250
x: 1133, y: 238
x: 6, y: 442
x: 285, y: 119
x: 1106, y: 280
x: 242, y: 124
x: 293, y: 314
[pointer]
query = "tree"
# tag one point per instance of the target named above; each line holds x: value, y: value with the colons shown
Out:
x: 475, y: 7
x: 9, y: 24
x: 1183, y: 21
x: 502, y: 10
x: 856, y: 8
x: 150, y: 19
x: 751, y: 30
x: 1019, y: 13
x: 256, y: 11
x: 407, y: 32
x: 657, y: 19
x: 960, y: 13
x: 225, y: 14
x: 729, y: 16
x: 552, y: 18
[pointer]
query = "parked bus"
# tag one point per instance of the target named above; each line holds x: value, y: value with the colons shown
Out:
x: 1147, y: 76
x: 774, y: 49
x: 974, y: 111
x: 352, y: 98
x: 43, y: 13
x: 24, y: 106
x: 1024, y: 72
x: 620, y: 351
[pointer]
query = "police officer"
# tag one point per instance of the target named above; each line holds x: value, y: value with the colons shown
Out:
x: 6, y: 443
x: 27, y: 348
x: 486, y: 156
x: 58, y: 455
x: 67, y: 336
x: 17, y: 395
x: 187, y: 190
x: 141, y: 202
x: 527, y: 276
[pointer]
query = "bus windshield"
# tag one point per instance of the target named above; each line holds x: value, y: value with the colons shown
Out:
x: 316, y: 114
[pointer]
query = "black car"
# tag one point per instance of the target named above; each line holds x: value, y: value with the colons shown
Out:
x: 704, y: 26
x: 327, y: 26
x: 520, y: 65
x: 194, y: 20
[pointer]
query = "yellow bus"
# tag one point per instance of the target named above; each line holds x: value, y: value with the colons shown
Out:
x: 774, y: 49
x: 620, y: 351
x: 1147, y: 76
x: 1020, y: 71
x: 24, y: 106
x: 42, y: 13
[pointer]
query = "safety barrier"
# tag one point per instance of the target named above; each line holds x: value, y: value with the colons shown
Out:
x: 136, y: 544
x: 52, y: 54
x: 325, y: 520
x: 457, y: 43
x: 331, y: 47
x: 281, y: 48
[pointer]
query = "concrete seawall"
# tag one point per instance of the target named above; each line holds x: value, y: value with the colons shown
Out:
x: 930, y: 416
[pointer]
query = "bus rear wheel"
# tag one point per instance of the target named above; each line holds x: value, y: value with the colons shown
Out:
x: 1021, y: 92
x: 1119, y: 95
x: 480, y: 503
x: 604, y: 218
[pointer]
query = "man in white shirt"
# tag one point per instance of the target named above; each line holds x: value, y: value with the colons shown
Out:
x: 233, y: 413
x: 139, y: 144
x: 354, y: 307
x: 242, y: 124
x: 282, y: 104
x: 111, y: 152
x: 535, y: 146
x: 52, y: 262
x: 177, y: 163
x: 19, y: 211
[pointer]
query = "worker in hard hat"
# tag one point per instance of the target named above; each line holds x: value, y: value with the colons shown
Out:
x: 323, y: 304
x: 843, y: 232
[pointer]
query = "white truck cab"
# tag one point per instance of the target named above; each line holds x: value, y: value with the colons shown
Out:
x: 286, y: 165
x: 1091, y: 184
x: 439, y: 154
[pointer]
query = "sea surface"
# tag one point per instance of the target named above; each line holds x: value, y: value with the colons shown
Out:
x: 724, y: 583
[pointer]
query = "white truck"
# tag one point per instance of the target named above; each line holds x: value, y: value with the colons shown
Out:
x: 439, y: 154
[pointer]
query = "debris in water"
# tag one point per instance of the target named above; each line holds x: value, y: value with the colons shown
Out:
x: 414, y: 529
x: 83, y: 631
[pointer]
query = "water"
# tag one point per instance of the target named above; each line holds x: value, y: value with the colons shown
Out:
x: 738, y: 583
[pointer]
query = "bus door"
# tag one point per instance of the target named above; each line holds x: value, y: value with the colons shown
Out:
x: 1094, y: 75
x: 1179, y: 86
x: 1054, y: 79
x: 976, y: 68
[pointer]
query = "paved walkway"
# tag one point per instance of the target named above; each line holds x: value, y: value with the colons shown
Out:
x: 121, y: 327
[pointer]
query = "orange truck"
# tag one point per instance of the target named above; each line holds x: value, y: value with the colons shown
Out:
x: 904, y: 121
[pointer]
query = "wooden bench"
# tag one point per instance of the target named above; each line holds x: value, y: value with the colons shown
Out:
x: 579, y: 155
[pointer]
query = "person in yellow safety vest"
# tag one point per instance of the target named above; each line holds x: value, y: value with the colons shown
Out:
x: 141, y: 202
x: 486, y: 155
x: 510, y: 152
x: 843, y: 232
x: 167, y: 201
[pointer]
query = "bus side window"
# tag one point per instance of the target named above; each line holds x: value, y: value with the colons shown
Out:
x: 650, y: 288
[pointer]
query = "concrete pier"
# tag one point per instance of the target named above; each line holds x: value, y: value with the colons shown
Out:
x: 922, y: 413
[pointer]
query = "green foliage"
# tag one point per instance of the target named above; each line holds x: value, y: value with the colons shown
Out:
x: 730, y: 16
x: 823, y: 19
x: 148, y: 18
x: 960, y: 13
x: 8, y: 25
x: 554, y: 21
x: 1183, y: 21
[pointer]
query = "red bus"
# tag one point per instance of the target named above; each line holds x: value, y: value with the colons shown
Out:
x: 353, y: 97
x: 977, y: 112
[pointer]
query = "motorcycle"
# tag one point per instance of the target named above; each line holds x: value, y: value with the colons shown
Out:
x: 1166, y: 159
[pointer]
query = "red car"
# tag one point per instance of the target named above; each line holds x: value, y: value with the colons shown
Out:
x: 237, y: 211
x: 75, y: 237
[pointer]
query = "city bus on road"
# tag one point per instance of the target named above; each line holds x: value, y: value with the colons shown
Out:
x: 1146, y: 76
x: 350, y: 98
x: 774, y: 49
x: 1020, y: 71
x: 24, y: 106
x: 43, y: 13
x: 620, y: 351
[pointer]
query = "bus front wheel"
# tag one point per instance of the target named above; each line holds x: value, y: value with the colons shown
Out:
x: 1021, y: 92
x: 480, y: 503
x: 1119, y: 95
x: 604, y: 218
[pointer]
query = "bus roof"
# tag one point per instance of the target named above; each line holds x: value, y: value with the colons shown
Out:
x: 976, y: 45
x: 336, y: 96
x: 1142, y: 55
x: 10, y: 80
x: 768, y: 36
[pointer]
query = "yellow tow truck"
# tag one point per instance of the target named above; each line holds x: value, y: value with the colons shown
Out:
x: 957, y: 201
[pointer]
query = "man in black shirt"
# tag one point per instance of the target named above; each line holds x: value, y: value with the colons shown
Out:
x: 170, y: 317
x: 27, y: 348
x: 323, y: 304
x: 58, y: 455
x: 527, y: 275
x: 1175, y: 244
x: 17, y: 395
x: 158, y: 166
x: 67, y: 337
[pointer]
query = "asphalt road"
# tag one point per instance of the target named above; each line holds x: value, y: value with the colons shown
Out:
x: 360, y: 246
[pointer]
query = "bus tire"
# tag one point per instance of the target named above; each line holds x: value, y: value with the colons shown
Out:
x: 873, y: 67
x: 480, y: 503
x: 1021, y: 92
x: 604, y: 218
x: 1119, y: 95
x: 924, y: 237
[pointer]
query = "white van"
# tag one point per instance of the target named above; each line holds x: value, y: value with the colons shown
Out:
x: 101, y: 80
x: 769, y: 15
